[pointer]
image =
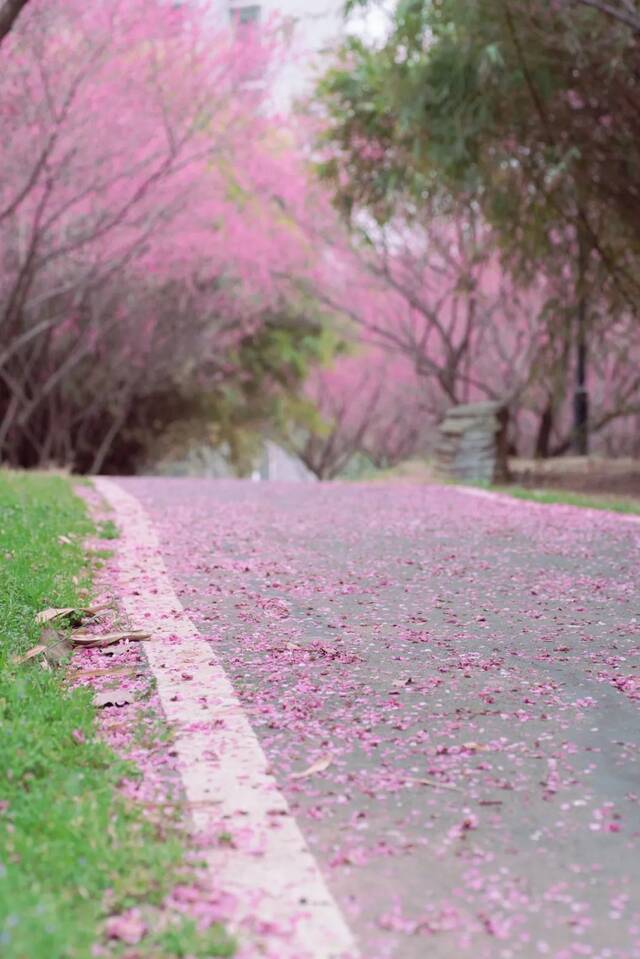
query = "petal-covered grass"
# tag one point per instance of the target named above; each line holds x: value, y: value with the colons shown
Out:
x: 590, y: 501
x: 422, y: 471
x: 71, y: 845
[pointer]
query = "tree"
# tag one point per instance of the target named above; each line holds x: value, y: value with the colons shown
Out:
x: 9, y: 13
x: 528, y: 109
x: 621, y: 11
x: 523, y: 111
x: 370, y: 403
x: 142, y: 252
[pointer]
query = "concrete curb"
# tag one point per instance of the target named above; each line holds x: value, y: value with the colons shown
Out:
x: 281, y: 907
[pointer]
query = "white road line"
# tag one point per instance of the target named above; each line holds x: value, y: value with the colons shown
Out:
x: 283, y: 908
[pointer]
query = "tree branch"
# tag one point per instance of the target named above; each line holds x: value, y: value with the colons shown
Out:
x: 9, y: 13
x: 625, y: 16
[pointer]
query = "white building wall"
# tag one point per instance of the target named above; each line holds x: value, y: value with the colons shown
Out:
x: 312, y: 27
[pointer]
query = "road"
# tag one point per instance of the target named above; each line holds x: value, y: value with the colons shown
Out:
x: 463, y: 672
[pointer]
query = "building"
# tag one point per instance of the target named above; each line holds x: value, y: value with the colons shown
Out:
x: 311, y: 27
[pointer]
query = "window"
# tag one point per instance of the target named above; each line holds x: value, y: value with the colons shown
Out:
x: 245, y: 16
x: 245, y: 20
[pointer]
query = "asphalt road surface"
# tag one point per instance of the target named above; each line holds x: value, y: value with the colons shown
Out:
x: 461, y: 673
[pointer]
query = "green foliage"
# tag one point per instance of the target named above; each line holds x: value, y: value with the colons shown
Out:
x: 108, y: 530
x: 184, y: 941
x: 572, y: 499
x: 275, y: 362
x: 66, y: 835
x: 524, y: 109
x: 256, y: 390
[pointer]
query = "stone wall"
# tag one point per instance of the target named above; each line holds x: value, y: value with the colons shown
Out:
x: 280, y: 465
x: 472, y: 443
x: 272, y: 462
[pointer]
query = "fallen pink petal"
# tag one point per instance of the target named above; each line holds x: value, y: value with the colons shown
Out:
x: 320, y: 479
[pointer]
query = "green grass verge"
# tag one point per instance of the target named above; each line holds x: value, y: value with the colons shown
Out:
x: 185, y: 941
x: 66, y: 834
x: 571, y: 499
x: 107, y: 529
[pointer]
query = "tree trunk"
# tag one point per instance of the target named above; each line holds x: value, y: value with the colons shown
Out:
x: 9, y: 13
x: 543, y: 439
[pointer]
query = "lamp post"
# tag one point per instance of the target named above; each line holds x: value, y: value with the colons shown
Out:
x: 581, y: 394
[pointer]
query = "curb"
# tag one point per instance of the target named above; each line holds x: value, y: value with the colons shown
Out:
x: 280, y: 906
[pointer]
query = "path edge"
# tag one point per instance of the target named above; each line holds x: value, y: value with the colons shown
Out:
x: 634, y: 519
x: 291, y: 914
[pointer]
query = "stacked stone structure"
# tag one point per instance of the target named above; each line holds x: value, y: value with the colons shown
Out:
x: 472, y: 443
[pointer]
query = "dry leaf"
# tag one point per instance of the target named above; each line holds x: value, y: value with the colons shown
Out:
x: 113, y: 697
x: 75, y: 614
x: 47, y: 615
x: 65, y: 540
x: 34, y: 651
x: 58, y: 648
x: 87, y: 640
x: 275, y: 607
x: 476, y: 747
x: 435, y: 783
x: 54, y: 644
x: 318, y: 767
x: 107, y: 671
x: 94, y: 610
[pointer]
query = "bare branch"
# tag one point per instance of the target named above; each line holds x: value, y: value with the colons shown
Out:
x: 9, y: 13
x: 624, y: 15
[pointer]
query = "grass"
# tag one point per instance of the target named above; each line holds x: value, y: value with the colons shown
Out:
x: 107, y: 529
x: 572, y: 499
x: 67, y: 837
x: 421, y: 471
x: 183, y: 939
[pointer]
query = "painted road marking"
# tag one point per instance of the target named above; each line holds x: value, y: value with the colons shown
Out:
x: 282, y: 906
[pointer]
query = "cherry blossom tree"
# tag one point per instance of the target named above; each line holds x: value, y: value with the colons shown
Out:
x: 10, y: 10
x: 137, y: 243
x: 153, y: 215
x: 433, y: 291
x: 369, y: 402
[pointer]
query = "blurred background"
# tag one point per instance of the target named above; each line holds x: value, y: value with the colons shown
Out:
x: 302, y: 241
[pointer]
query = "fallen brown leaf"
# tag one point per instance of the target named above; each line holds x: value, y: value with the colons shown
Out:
x: 58, y: 646
x: 47, y: 615
x: 435, y: 783
x: 318, y: 767
x: 75, y: 614
x: 53, y: 644
x: 107, y: 671
x: 34, y: 651
x: 94, y: 610
x: 87, y: 640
